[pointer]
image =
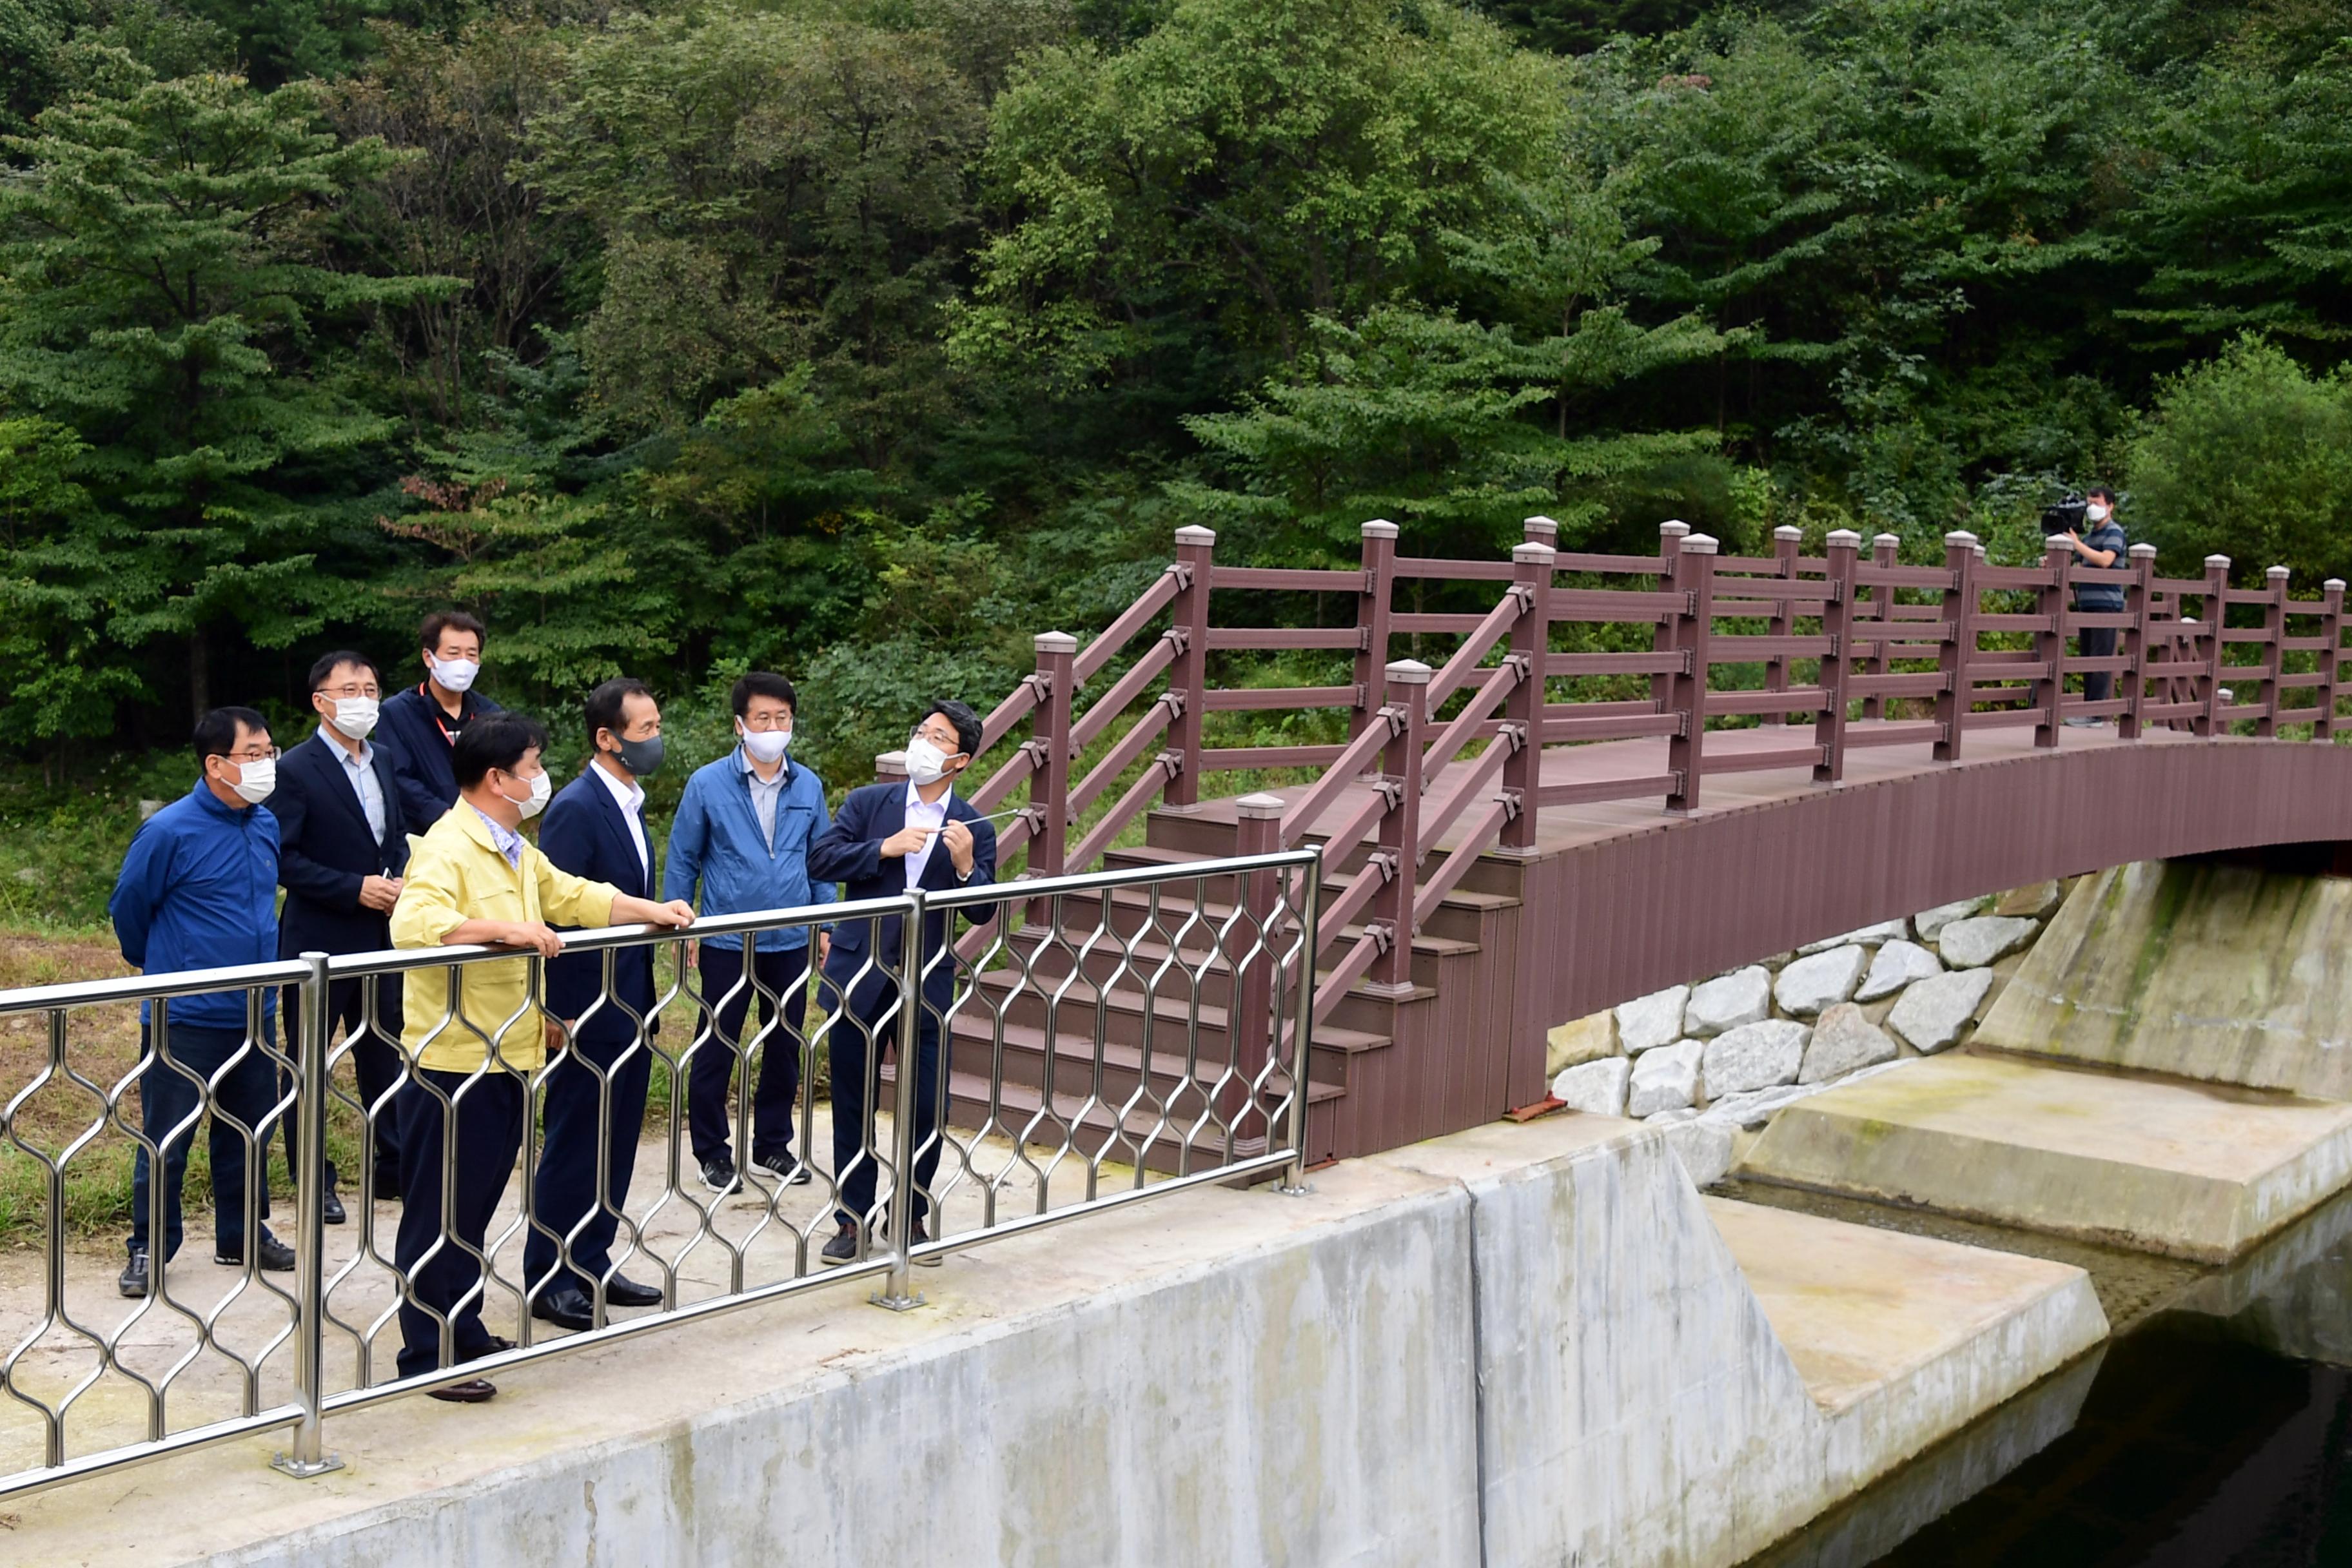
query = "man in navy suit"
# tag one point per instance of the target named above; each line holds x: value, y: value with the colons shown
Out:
x: 888, y: 838
x: 342, y: 845
x: 595, y: 828
x: 423, y: 725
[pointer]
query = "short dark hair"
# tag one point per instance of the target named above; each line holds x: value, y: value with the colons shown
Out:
x: 494, y: 741
x: 328, y: 663
x: 429, y: 635
x: 216, y: 731
x: 2100, y: 493
x: 606, y: 704
x: 764, y: 683
x: 959, y: 714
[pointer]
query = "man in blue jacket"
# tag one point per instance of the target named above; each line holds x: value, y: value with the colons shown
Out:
x: 423, y: 725
x: 742, y: 838
x: 342, y: 844
x: 199, y: 890
x: 888, y: 838
x: 595, y: 828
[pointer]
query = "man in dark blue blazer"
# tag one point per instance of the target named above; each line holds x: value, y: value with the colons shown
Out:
x: 422, y: 724
x: 342, y: 846
x: 595, y: 828
x: 887, y: 838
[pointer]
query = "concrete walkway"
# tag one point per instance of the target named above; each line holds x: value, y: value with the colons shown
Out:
x: 690, y: 1240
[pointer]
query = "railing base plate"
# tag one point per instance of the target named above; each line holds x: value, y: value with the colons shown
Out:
x: 303, y: 1470
x: 896, y: 1303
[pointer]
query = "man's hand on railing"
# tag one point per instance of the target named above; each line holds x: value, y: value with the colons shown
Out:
x: 677, y: 914
x: 538, y: 937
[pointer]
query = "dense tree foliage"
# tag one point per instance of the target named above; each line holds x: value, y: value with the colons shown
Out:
x: 866, y: 337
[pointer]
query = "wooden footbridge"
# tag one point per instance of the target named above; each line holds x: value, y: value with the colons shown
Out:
x: 1627, y: 771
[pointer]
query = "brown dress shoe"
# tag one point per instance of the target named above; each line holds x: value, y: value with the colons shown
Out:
x: 473, y: 1391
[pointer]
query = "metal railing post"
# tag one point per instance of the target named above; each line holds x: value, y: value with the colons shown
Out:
x: 1400, y: 833
x: 1694, y: 632
x: 1049, y: 786
x: 1375, y: 602
x: 2217, y: 620
x: 2274, y: 651
x: 899, y: 1293
x: 1785, y: 540
x: 1293, y: 1182
x: 1837, y: 665
x: 1954, y: 656
x: 1188, y: 680
x: 1524, y: 708
x: 2139, y: 594
x: 308, y: 1456
x: 2050, y: 646
x: 2331, y: 645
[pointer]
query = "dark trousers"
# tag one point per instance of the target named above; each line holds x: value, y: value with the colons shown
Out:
x: 782, y: 975
x: 375, y: 1059
x: 168, y: 1094
x: 870, y: 998
x: 479, y: 1132
x: 2098, y: 642
x: 595, y: 1098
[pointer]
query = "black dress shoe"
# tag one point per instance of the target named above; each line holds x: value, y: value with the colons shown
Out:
x: 134, y: 1274
x: 386, y: 1187
x: 841, y: 1250
x: 473, y: 1390
x: 490, y: 1346
x: 332, y: 1211
x: 568, y: 1307
x: 625, y: 1291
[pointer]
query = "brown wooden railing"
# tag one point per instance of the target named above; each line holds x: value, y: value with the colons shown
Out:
x: 1869, y: 651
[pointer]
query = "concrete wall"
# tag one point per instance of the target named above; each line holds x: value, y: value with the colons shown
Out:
x: 1520, y: 1345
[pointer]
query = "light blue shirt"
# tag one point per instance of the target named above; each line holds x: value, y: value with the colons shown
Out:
x: 360, y: 771
x: 765, y: 793
x: 508, y: 842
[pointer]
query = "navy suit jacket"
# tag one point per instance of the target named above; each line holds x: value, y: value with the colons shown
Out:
x: 586, y: 833
x: 325, y: 849
x: 850, y: 853
x: 428, y: 781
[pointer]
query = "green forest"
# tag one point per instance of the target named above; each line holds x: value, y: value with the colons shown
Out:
x: 862, y: 339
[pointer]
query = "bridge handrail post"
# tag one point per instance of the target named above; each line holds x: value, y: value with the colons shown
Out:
x: 1530, y: 640
x: 1952, y: 657
x: 1694, y: 632
x: 2049, y: 647
x: 2140, y: 594
x: 1399, y: 832
x: 1375, y: 602
x: 890, y: 767
x: 1670, y: 543
x: 2217, y: 617
x: 1837, y: 665
x: 1049, y: 786
x: 2331, y: 643
x: 1785, y: 540
x: 1189, y: 678
x: 1886, y: 549
x: 2274, y: 651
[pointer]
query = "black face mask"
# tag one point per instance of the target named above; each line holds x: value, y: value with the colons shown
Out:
x: 642, y: 758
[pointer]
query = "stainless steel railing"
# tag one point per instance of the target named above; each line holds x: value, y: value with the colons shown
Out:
x: 1102, y: 1040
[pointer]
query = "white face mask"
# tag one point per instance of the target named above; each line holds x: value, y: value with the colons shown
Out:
x: 355, y: 716
x: 767, y: 746
x: 541, y: 786
x: 926, y: 763
x: 2098, y: 511
x: 254, y: 781
x: 455, y: 674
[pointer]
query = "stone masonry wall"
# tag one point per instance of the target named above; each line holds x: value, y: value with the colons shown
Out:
x: 1712, y: 1060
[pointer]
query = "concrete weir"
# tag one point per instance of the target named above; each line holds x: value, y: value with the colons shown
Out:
x: 2191, y: 1171
x: 1516, y: 1345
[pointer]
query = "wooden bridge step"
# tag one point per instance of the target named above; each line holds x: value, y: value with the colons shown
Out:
x: 967, y: 1107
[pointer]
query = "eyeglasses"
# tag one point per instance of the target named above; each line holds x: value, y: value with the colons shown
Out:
x: 950, y: 742
x: 268, y: 754
x: 769, y: 721
x: 350, y: 688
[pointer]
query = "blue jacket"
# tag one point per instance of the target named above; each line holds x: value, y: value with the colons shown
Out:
x: 325, y: 851
x: 198, y: 889
x: 420, y: 753
x: 586, y: 833
x: 850, y: 852
x: 715, y: 840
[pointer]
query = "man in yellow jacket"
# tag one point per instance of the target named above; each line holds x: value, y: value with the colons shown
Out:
x: 473, y: 878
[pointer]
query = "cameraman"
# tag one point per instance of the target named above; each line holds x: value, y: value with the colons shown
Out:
x: 2099, y: 594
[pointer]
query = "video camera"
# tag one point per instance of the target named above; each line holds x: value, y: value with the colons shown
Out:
x: 2067, y: 517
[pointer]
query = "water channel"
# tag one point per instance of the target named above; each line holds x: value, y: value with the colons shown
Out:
x: 2215, y: 1430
